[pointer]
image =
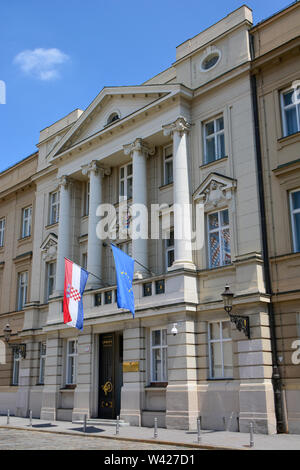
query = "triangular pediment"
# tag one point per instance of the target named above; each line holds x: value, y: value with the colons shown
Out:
x: 49, y: 247
x: 214, y: 188
x: 124, y: 101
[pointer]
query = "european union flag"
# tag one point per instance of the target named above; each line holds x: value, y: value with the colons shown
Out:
x: 124, y: 270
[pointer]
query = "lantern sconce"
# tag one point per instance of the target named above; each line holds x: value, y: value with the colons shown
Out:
x: 241, y: 322
x: 20, y: 349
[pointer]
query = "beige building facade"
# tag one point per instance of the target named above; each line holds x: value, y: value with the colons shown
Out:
x: 185, y: 138
x: 276, y: 75
x: 17, y: 207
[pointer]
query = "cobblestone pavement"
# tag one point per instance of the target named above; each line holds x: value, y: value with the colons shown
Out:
x: 12, y: 439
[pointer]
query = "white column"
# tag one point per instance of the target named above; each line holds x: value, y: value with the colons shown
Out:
x: 64, y: 233
x: 94, y: 254
x: 181, y: 199
x: 139, y: 150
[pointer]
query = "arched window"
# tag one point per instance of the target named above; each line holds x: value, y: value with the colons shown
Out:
x: 113, y: 117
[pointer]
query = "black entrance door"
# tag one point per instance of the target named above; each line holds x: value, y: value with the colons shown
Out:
x: 107, y: 405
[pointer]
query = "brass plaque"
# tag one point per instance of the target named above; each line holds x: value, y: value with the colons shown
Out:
x: 131, y: 366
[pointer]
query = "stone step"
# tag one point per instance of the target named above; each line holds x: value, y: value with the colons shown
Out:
x: 102, y: 422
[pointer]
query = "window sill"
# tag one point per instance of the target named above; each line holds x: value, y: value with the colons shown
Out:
x: 24, y: 239
x: 157, y: 385
x: 209, y: 164
x: 55, y: 224
x: 288, y: 140
x: 166, y: 186
x: 219, y: 379
x: 68, y: 388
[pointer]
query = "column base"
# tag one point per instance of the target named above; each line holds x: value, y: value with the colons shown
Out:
x: 181, y: 264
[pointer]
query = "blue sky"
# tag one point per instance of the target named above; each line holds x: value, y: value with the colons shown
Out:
x: 57, y: 56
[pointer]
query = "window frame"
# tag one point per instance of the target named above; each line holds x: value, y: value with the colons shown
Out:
x: 56, y: 204
x: 161, y: 347
x: 16, y: 367
x: 169, y: 248
x: 22, y: 302
x: 221, y: 340
x: 219, y: 231
x: 283, y: 115
x: 42, y: 361
x: 292, y: 212
x: 214, y: 136
x: 26, y: 222
x: 48, y: 277
x: 125, y: 180
x: 2, y: 231
x: 69, y: 358
x: 167, y: 160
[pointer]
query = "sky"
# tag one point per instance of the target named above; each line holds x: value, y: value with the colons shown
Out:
x: 57, y: 56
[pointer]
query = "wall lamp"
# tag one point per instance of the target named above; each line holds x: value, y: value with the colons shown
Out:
x: 20, y: 349
x: 242, y: 322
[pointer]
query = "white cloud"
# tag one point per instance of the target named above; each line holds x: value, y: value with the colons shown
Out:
x: 41, y: 63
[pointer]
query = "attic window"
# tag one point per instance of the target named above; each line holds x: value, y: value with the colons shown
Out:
x: 113, y: 117
x: 210, y: 61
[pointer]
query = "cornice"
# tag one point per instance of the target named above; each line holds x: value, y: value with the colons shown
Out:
x: 274, y: 56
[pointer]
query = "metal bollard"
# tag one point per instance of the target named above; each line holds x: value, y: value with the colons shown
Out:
x: 198, y: 430
x: 30, y: 418
x: 8, y: 416
x: 118, y: 425
x: 84, y: 423
x: 251, y: 435
x: 155, y: 428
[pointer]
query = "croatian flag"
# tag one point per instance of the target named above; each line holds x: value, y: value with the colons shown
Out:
x: 75, y: 281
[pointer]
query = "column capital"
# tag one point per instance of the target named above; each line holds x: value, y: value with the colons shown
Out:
x: 181, y: 125
x: 95, y: 166
x: 139, y: 145
x: 65, y: 181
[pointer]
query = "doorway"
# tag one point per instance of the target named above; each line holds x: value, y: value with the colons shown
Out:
x: 110, y: 374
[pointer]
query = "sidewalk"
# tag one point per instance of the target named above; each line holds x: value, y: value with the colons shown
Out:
x: 209, y: 439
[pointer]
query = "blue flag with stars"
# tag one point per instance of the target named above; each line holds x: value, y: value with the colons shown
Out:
x: 124, y: 271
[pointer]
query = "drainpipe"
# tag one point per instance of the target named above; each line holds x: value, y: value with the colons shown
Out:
x: 276, y: 379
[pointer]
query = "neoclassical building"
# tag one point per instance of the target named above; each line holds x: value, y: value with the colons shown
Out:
x: 184, y: 138
x: 276, y: 84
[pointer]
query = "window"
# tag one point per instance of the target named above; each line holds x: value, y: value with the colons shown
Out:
x: 50, y: 279
x: 147, y: 289
x: 159, y: 360
x: 2, y: 231
x: 168, y: 164
x: 220, y: 350
x: 71, y: 378
x: 16, y: 367
x: 54, y: 208
x: 126, y: 247
x: 295, y: 215
x: 210, y: 61
x: 22, y: 289
x: 84, y: 260
x: 108, y: 297
x: 218, y: 239
x: 112, y: 118
x: 42, y: 363
x: 86, y: 199
x: 26, y: 222
x: 125, y: 189
x: 214, y: 140
x: 169, y: 249
x: 160, y: 286
x: 290, y: 107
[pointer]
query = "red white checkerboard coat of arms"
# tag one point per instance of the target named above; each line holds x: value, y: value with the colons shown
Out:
x: 73, y: 293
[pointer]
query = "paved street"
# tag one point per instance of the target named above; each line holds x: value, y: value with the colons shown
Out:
x: 12, y: 439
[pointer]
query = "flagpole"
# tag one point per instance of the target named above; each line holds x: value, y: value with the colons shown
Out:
x: 153, y: 274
